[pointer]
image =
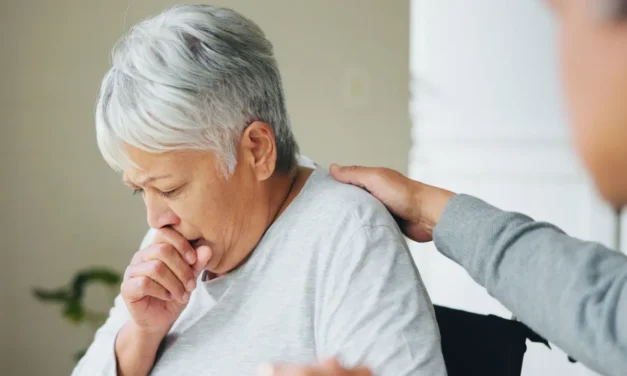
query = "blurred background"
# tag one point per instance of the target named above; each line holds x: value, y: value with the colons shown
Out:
x: 458, y: 93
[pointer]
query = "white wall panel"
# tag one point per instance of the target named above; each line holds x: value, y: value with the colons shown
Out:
x: 487, y: 120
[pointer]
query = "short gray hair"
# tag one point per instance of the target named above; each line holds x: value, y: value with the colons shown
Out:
x: 192, y: 77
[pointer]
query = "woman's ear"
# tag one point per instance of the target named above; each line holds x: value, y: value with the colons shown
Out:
x: 259, y: 149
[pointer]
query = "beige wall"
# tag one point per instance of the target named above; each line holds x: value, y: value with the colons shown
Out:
x: 63, y: 208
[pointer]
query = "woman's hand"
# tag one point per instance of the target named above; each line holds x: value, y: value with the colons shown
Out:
x: 159, y: 280
x: 417, y: 206
x: 328, y: 368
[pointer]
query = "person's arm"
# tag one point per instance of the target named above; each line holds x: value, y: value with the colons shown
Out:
x: 374, y: 309
x: 119, y: 347
x: 572, y: 292
x: 135, y: 351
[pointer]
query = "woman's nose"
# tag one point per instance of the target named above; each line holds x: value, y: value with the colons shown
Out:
x: 159, y: 214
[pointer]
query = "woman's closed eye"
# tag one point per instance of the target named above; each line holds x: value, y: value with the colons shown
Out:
x: 166, y: 194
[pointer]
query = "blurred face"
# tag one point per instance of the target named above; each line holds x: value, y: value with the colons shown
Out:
x: 187, y: 191
x: 594, y: 59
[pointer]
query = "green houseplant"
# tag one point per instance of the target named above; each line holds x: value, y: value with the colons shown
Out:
x: 71, y: 297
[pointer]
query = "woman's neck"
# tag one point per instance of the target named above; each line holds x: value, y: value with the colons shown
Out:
x: 280, y: 191
x: 295, y: 183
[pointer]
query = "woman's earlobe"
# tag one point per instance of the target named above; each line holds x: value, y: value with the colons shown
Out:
x: 261, y: 141
x: 265, y: 169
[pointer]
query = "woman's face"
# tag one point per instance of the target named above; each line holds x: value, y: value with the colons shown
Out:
x: 187, y: 191
x: 594, y: 68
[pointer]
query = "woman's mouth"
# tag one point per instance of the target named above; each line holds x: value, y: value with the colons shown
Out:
x: 195, y: 242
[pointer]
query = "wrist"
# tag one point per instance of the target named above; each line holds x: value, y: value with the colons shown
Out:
x: 136, y: 349
x: 431, y: 202
x: 146, y: 335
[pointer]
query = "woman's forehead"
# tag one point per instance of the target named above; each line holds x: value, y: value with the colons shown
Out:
x: 150, y: 167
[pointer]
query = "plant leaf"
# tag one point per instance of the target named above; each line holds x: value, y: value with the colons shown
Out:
x: 104, y: 275
x: 58, y: 295
x: 74, y: 311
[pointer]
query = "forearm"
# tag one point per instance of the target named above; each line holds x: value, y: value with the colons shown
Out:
x: 135, y: 351
x: 570, y: 291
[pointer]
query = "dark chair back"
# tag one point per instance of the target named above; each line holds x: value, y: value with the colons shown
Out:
x: 487, y: 345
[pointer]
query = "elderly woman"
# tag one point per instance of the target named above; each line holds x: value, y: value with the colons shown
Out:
x: 254, y: 258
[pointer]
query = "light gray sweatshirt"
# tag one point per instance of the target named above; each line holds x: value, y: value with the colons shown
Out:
x: 570, y: 291
x: 332, y: 276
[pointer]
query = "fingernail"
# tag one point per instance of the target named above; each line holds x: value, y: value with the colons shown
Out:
x: 265, y: 370
x: 191, y: 285
x: 190, y: 257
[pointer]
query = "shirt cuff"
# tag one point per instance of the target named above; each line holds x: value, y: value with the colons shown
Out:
x: 457, y: 234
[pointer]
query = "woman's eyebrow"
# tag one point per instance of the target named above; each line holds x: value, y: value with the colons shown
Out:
x: 149, y: 179
x: 129, y: 183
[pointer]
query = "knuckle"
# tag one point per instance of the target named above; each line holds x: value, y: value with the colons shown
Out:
x: 158, y: 268
x: 133, y: 286
x: 164, y: 250
x: 143, y: 283
x: 160, y: 248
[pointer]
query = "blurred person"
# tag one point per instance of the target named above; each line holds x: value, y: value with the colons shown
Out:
x: 253, y: 257
x: 572, y: 292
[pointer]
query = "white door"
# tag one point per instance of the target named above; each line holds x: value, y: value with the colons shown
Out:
x: 487, y: 120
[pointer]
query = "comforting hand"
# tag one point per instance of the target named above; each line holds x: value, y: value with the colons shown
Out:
x: 158, y: 282
x: 417, y: 206
x: 328, y: 368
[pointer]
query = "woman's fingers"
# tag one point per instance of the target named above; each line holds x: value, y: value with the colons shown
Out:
x: 203, y: 256
x: 159, y: 272
x: 355, y: 175
x: 166, y: 269
x: 178, y: 241
x: 173, y: 260
x: 134, y: 289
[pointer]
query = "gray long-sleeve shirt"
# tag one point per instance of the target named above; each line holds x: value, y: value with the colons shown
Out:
x: 570, y: 291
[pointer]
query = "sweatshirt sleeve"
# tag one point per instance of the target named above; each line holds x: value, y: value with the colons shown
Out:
x: 100, y: 357
x: 376, y: 309
x: 571, y: 291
